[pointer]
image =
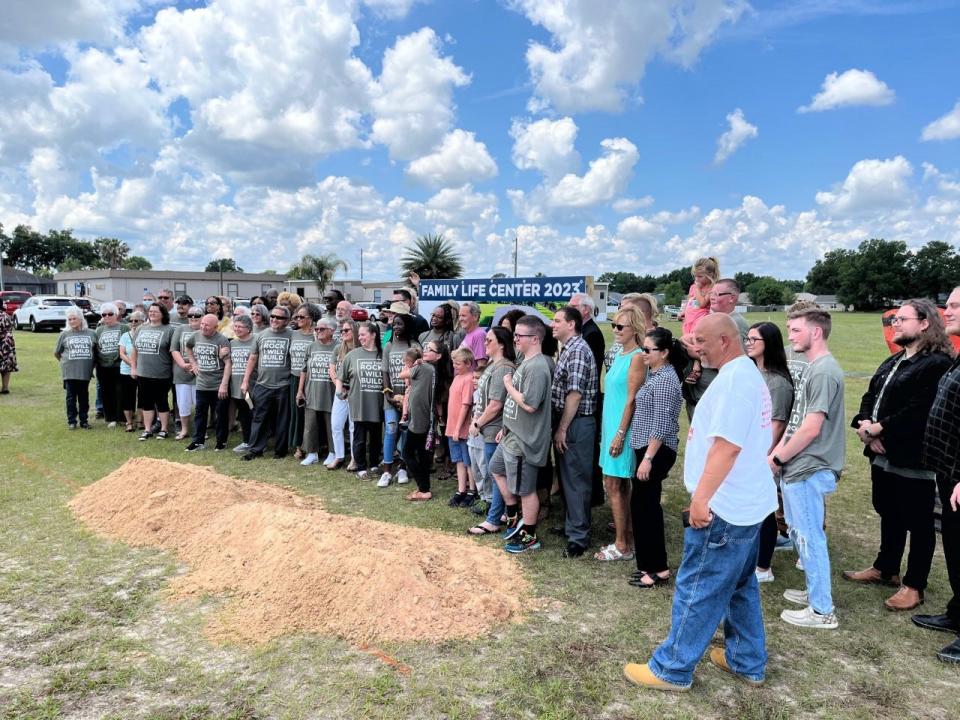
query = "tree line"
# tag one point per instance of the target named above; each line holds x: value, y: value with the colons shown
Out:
x: 43, y: 254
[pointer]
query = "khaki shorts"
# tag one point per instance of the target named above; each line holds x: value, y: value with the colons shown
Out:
x: 521, y: 475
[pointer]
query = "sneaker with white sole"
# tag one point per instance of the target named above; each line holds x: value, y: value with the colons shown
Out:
x: 800, y: 597
x: 808, y: 617
x: 310, y: 459
x: 193, y: 447
x: 764, y: 576
x: 242, y: 447
x: 402, y: 477
x: 384, y: 480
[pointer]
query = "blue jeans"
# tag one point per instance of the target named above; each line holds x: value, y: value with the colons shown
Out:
x: 803, y: 503
x: 391, y: 420
x: 497, y: 506
x: 715, y: 582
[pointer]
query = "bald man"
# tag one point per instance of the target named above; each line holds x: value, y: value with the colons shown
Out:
x: 726, y: 472
x: 209, y: 354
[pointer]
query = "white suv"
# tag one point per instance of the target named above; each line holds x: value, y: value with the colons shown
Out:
x: 43, y: 311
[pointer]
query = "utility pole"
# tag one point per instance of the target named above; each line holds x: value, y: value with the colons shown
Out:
x: 361, y: 264
x: 516, y: 242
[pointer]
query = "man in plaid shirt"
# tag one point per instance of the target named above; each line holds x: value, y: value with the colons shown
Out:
x: 941, y: 452
x: 573, y: 396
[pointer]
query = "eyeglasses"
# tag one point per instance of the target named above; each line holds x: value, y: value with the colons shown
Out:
x: 517, y: 336
x: 617, y: 326
x: 165, y: 297
x: 645, y: 350
x: 346, y: 329
x: 752, y: 340
x: 301, y: 317
x: 134, y: 322
x: 278, y: 317
x: 107, y: 314
x: 897, y: 320
x: 720, y: 294
x: 212, y: 302
x: 194, y: 316
x: 324, y: 328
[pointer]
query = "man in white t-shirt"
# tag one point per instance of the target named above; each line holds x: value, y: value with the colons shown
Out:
x: 726, y: 471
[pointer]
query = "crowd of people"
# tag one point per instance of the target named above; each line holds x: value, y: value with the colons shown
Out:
x: 516, y: 414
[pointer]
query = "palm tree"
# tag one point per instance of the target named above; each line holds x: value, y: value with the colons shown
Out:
x: 321, y: 268
x: 111, y: 251
x: 432, y: 257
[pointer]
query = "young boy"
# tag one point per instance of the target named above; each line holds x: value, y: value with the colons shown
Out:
x: 459, y: 417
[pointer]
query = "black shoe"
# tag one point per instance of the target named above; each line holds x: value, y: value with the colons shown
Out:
x: 86, y: 426
x: 558, y: 531
x: 456, y: 499
x: 944, y: 623
x: 574, y: 550
x: 251, y: 456
x: 193, y: 447
x: 219, y: 447
x: 468, y: 499
x: 951, y: 653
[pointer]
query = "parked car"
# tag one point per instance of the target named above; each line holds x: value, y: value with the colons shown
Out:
x: 43, y: 311
x: 671, y: 311
x: 372, y: 309
x: 10, y: 300
x: 91, y: 315
x: 359, y: 314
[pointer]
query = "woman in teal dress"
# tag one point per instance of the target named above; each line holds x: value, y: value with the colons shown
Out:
x: 623, y: 379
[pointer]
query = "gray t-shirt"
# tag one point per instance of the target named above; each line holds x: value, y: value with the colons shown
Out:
x: 207, y: 353
x: 820, y: 390
x: 797, y: 363
x: 362, y: 374
x: 420, y: 398
x: 76, y: 348
x: 181, y: 335
x: 273, y: 358
x: 318, y: 387
x: 239, y: 355
x: 490, y: 387
x: 781, y: 395
x: 108, y: 344
x: 153, y: 343
x: 528, y: 434
x: 393, y: 365
x: 299, y: 344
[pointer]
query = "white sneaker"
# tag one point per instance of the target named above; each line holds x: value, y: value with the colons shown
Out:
x: 310, y: 459
x: 111, y: 424
x: 808, y: 617
x: 402, y: 477
x: 242, y: 447
x: 363, y: 475
x: 800, y: 597
x: 384, y: 480
x: 764, y: 576
x: 331, y: 458
x: 799, y: 564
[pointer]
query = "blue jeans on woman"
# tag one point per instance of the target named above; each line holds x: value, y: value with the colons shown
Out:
x: 497, y: 506
x: 803, y: 503
x: 391, y: 432
x: 715, y: 582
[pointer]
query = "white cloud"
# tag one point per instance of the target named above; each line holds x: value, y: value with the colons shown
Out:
x: 677, y: 218
x: 629, y: 205
x: 459, y: 159
x: 871, y: 185
x: 599, y: 51
x: 606, y: 177
x: 946, y: 127
x: 853, y: 87
x: 45, y: 23
x: 738, y: 132
x: 546, y: 145
x: 413, y: 98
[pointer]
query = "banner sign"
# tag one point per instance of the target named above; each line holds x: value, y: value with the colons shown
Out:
x: 526, y: 289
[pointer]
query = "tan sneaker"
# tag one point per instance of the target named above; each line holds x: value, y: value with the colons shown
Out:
x: 871, y: 575
x: 906, y: 598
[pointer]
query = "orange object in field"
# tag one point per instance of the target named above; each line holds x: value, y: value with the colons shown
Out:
x: 888, y: 331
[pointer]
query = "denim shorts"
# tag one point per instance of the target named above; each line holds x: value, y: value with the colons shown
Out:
x: 459, y: 452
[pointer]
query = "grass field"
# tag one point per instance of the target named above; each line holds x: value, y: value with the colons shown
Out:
x: 87, y: 632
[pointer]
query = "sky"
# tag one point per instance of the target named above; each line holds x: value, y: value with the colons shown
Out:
x: 604, y: 135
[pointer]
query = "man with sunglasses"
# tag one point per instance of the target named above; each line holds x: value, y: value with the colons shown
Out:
x: 270, y: 359
x: 165, y: 298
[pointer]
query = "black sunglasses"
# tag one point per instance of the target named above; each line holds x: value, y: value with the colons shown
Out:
x: 617, y: 326
x: 278, y: 317
x: 194, y: 315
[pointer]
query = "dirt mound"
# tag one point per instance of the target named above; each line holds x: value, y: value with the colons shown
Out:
x: 289, y: 566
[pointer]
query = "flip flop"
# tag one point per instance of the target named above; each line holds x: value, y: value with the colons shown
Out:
x: 478, y: 530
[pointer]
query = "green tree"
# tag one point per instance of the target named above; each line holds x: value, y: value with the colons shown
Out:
x: 223, y: 265
x: 934, y: 269
x: 681, y: 275
x: 137, y: 262
x: 432, y: 257
x: 497, y: 276
x: 745, y: 280
x: 673, y: 292
x: 628, y: 282
x: 111, y: 252
x: 767, y: 291
x: 877, y: 276
x: 827, y: 274
x: 321, y: 268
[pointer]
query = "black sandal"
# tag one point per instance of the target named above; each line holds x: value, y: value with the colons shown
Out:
x: 638, y: 582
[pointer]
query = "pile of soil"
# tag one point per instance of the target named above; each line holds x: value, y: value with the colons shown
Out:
x: 289, y: 566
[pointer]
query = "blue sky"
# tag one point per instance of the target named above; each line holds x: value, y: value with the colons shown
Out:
x: 591, y: 131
